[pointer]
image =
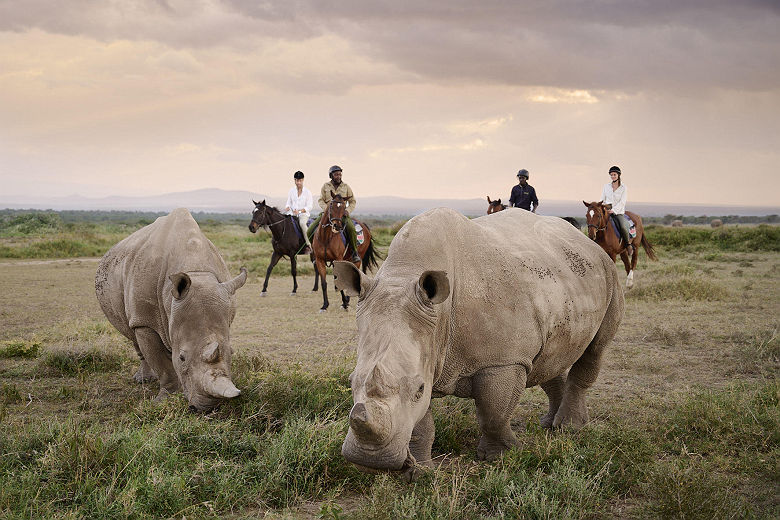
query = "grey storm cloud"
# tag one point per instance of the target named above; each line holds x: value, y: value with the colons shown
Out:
x: 600, y: 44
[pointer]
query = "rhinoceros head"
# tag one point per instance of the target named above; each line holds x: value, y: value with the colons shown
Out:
x: 397, y: 321
x: 199, y: 326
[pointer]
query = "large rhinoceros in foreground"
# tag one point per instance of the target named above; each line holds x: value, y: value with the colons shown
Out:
x: 168, y: 290
x: 477, y: 308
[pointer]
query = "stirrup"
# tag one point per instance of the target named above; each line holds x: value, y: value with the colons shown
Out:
x: 355, y: 257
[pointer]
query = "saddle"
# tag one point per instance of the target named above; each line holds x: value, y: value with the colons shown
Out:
x: 361, y: 237
x: 631, y: 227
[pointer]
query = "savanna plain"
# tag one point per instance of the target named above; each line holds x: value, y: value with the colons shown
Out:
x: 684, y: 415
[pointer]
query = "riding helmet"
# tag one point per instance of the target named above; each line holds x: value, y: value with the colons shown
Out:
x: 523, y: 173
x: 615, y: 169
x: 298, y: 175
x: 333, y: 169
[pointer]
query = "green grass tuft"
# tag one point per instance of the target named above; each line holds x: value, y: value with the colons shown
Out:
x: 19, y: 349
x: 70, y: 363
x: 681, y: 288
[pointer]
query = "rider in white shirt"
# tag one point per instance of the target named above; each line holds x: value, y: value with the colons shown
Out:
x: 299, y: 204
x: 615, y: 193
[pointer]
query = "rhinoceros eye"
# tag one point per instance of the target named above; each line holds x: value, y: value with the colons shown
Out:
x: 420, y: 392
x: 181, y: 357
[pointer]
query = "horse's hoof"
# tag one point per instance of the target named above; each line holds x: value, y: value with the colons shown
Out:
x: 293, y: 293
x: 345, y: 309
x: 323, y: 310
x: 263, y: 294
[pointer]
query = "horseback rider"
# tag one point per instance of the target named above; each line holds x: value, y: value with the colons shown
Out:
x: 523, y: 195
x: 615, y: 193
x: 299, y: 204
x: 339, y: 188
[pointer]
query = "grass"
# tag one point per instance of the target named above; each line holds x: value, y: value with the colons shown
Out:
x: 681, y: 288
x: 684, y: 414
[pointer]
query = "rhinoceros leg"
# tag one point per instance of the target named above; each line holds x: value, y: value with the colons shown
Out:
x: 422, y: 439
x: 573, y: 411
x: 496, y: 391
x: 144, y: 374
x: 158, y: 359
x: 554, y: 389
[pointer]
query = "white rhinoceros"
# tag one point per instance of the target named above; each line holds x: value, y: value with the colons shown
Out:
x: 168, y: 290
x: 477, y: 308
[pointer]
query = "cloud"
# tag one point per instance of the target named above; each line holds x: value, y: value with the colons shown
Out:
x: 568, y: 44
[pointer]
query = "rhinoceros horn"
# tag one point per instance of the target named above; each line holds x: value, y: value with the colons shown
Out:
x: 211, y: 353
x: 222, y: 387
x: 236, y: 283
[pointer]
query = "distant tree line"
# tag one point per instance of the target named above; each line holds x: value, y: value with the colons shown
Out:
x: 706, y: 219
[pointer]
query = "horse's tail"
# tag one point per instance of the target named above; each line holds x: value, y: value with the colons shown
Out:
x: 371, y: 256
x: 648, y: 247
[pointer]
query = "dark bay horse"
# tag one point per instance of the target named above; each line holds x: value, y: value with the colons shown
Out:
x: 600, y: 229
x: 495, y: 206
x: 284, y: 240
x: 328, y: 246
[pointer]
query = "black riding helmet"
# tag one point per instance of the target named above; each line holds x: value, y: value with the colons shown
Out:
x: 615, y: 169
x: 298, y: 175
x: 333, y: 169
x: 523, y: 173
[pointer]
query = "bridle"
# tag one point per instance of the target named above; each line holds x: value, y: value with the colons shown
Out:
x: 601, y: 217
x: 265, y: 209
x: 334, y: 223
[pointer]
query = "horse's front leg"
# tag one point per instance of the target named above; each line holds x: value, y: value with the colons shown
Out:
x: 294, y: 271
x: 316, y: 275
x: 321, y: 272
x: 344, y: 301
x: 274, y: 259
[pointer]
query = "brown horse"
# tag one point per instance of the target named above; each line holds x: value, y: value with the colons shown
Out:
x: 328, y: 246
x: 600, y: 230
x: 495, y: 206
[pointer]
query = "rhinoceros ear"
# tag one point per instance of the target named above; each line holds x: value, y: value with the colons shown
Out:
x: 434, y: 286
x: 181, y: 284
x: 349, y: 279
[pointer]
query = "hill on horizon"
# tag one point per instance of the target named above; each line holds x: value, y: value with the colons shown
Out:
x: 217, y: 200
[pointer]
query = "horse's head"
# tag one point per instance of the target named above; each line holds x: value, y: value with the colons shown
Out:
x: 597, y: 217
x: 337, y: 208
x: 494, y: 205
x: 261, y: 216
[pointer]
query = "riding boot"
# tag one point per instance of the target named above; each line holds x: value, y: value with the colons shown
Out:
x: 355, y: 257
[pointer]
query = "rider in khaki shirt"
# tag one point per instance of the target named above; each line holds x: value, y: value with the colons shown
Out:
x: 339, y: 188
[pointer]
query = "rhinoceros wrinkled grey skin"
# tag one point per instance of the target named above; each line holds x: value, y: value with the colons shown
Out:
x: 167, y: 288
x: 479, y: 309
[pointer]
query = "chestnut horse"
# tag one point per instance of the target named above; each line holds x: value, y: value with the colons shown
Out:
x: 495, y: 206
x: 328, y: 246
x: 600, y: 229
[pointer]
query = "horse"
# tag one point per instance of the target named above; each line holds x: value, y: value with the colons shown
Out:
x: 495, y: 205
x: 599, y: 230
x: 284, y: 240
x: 328, y: 246
x: 573, y: 221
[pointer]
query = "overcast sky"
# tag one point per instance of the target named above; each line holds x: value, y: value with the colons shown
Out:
x: 436, y: 99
